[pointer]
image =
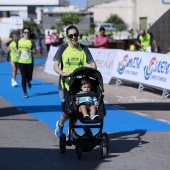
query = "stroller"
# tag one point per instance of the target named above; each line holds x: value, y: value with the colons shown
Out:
x: 87, y: 141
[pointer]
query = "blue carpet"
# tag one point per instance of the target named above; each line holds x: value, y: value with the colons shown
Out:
x: 44, y: 104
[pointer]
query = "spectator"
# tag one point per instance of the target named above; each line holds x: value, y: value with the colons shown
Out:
x: 54, y: 39
x: 61, y: 37
x: 145, y: 41
x: 101, y: 40
x: 132, y: 45
x: 48, y: 39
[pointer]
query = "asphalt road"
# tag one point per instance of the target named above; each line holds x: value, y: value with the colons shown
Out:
x: 27, y: 143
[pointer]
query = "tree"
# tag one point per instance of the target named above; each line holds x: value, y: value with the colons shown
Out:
x: 69, y: 19
x: 32, y: 25
x: 117, y: 21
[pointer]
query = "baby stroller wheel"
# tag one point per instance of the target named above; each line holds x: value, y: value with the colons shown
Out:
x: 104, y: 146
x: 79, y: 152
x: 104, y: 152
x: 63, y: 143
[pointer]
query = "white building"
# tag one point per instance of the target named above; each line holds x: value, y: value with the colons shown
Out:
x: 136, y: 14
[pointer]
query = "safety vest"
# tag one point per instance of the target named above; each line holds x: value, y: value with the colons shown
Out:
x: 84, y: 37
x: 146, y: 41
x: 25, y: 57
x: 13, y: 53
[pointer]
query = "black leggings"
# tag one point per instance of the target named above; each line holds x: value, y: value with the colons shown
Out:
x: 48, y: 47
x: 26, y: 74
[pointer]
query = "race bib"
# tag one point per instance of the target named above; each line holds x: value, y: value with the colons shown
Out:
x: 24, y: 55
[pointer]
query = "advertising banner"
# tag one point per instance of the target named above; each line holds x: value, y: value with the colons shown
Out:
x: 151, y: 69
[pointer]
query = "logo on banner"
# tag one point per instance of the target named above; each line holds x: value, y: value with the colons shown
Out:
x: 129, y: 65
x: 149, y: 69
x: 157, y: 70
x: 121, y: 65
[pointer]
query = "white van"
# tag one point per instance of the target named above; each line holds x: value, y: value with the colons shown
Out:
x: 107, y: 26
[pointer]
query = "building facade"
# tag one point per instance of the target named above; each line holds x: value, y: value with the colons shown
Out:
x: 52, y: 18
x: 137, y: 14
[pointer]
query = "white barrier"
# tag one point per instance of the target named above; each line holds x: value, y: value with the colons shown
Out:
x: 105, y: 60
x: 148, y: 68
x: 151, y: 69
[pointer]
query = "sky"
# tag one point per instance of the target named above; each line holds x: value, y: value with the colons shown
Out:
x: 78, y: 3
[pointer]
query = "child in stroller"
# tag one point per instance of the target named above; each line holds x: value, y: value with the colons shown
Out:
x: 87, y: 141
x: 88, y: 103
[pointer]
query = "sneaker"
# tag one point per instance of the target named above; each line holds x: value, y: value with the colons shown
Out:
x: 25, y: 95
x: 94, y: 117
x: 13, y: 82
x: 69, y: 138
x: 86, y: 117
x: 58, y: 130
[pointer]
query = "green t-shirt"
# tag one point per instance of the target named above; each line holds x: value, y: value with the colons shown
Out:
x: 25, y: 57
x: 72, y: 59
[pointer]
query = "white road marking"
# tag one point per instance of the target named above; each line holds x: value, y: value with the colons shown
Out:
x: 163, y: 120
x: 131, y: 99
x: 141, y: 114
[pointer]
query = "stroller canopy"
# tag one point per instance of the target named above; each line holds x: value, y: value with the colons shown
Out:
x: 89, y: 72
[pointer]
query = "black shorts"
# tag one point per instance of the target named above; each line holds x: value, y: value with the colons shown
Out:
x: 87, y: 104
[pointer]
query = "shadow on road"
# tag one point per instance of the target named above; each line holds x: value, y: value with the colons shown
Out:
x: 32, y: 158
x: 144, y: 106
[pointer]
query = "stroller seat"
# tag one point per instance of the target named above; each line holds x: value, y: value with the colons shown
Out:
x: 86, y: 141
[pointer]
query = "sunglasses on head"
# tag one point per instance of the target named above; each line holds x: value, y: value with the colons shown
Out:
x: 71, y: 35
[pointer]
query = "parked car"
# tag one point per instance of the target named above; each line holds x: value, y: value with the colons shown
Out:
x: 107, y: 26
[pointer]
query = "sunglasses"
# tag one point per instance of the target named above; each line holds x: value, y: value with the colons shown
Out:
x: 26, y: 32
x: 72, y: 35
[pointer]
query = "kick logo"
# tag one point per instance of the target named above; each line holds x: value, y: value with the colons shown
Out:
x: 149, y: 69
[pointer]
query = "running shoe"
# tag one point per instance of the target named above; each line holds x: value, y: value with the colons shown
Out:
x: 86, y: 117
x: 69, y: 138
x: 13, y: 83
x: 25, y: 95
x: 58, y: 130
x: 94, y: 117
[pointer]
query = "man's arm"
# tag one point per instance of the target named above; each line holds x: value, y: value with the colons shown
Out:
x: 155, y: 44
x: 138, y: 43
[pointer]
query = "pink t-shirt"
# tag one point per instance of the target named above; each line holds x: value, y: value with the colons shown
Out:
x: 47, y: 39
x: 98, y: 39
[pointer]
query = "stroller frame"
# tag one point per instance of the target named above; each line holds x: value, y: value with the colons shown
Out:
x: 87, y: 141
